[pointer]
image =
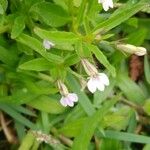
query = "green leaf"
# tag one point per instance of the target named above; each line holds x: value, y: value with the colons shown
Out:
x: 17, y: 116
x: 76, y: 113
x: 81, y: 142
x: 38, y: 64
x: 83, y: 99
x: 62, y: 4
x: 18, y: 26
x: 120, y: 16
x: 37, y: 46
x: 27, y: 142
x: 118, y: 120
x: 1, y: 10
x: 131, y: 90
x: 20, y: 97
x: 23, y: 110
x: 72, y: 129
x: 108, y: 144
x: 20, y: 129
x: 80, y: 14
x: 51, y: 14
x: 124, y: 136
x: 47, y: 104
x: 3, y: 6
x: 7, y: 57
x: 41, y: 87
x: 77, y: 3
x: 102, y: 59
x: 146, y: 147
x: 137, y: 38
x: 58, y: 37
x: 147, y: 69
x: 71, y: 60
x: 99, y: 97
x: 146, y: 106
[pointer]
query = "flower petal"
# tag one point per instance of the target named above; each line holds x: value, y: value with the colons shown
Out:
x: 140, y: 51
x: 63, y: 101
x: 69, y: 101
x: 110, y: 2
x: 105, y: 6
x: 47, y: 44
x: 91, y: 85
x: 73, y: 97
x: 100, y: 1
x: 100, y: 86
x: 104, y: 79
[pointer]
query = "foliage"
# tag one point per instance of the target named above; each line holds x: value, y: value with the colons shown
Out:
x: 117, y: 118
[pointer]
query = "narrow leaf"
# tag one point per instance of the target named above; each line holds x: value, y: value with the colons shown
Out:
x: 147, y: 69
x: 18, y: 26
x: 81, y: 142
x: 51, y: 14
x: 83, y: 99
x: 102, y: 59
x: 37, y: 46
x: 17, y: 116
x: 57, y: 36
x: 47, y: 104
x: 125, y: 136
x: 119, y: 17
x: 131, y: 90
x: 38, y: 64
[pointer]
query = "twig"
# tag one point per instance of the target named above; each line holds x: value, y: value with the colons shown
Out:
x: 9, y: 136
x: 136, y: 107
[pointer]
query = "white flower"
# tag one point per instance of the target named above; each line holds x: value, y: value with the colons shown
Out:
x: 106, y: 4
x: 69, y: 99
x: 48, y: 44
x: 98, y: 81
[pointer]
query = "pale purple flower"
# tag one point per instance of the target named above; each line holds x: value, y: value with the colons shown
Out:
x: 106, y: 4
x: 98, y: 81
x: 48, y: 44
x: 69, y: 99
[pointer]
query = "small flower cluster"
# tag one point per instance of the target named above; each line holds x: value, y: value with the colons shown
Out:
x: 41, y: 137
x: 96, y: 80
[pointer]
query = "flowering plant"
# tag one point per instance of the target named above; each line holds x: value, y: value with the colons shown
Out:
x: 74, y: 74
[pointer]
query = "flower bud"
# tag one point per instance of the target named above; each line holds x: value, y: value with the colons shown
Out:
x: 90, y: 69
x: 48, y: 44
x: 62, y: 88
x: 140, y: 51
